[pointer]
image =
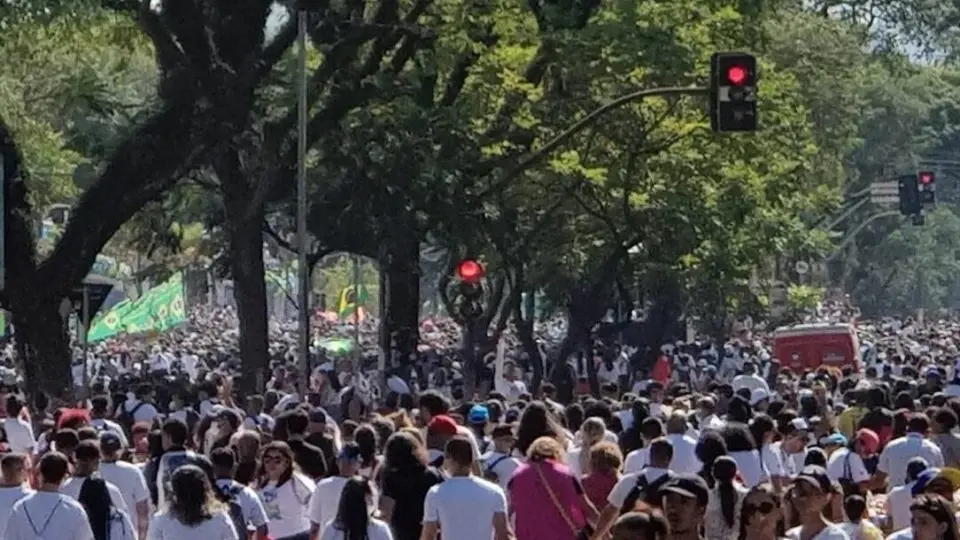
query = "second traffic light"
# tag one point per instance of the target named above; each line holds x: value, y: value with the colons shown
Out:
x: 733, y: 92
x: 927, y: 181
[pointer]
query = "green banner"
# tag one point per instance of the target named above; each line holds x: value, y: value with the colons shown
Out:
x: 159, y: 309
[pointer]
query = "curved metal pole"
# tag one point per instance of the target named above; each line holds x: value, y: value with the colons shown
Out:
x: 850, y: 237
x: 846, y: 214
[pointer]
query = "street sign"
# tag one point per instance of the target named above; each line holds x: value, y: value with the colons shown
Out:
x: 802, y: 267
x: 884, y: 192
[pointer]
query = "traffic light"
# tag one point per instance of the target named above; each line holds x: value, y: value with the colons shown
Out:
x: 733, y: 92
x: 470, y: 273
x: 909, y: 192
x: 928, y: 187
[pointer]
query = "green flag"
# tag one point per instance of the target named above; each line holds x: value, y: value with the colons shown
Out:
x: 159, y: 309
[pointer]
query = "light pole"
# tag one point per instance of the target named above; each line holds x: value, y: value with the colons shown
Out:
x: 303, y: 272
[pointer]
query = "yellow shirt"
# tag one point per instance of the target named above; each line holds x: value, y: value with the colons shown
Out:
x: 849, y: 419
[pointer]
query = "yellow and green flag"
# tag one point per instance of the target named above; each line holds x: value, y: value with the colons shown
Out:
x: 159, y: 309
x: 351, y: 298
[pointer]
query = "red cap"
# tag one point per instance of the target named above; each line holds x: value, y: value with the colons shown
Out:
x: 442, y: 425
x: 869, y: 440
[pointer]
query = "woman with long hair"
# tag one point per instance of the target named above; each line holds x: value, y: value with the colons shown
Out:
x: 366, y: 438
x: 710, y: 447
x: 721, y: 521
x: 405, y: 479
x: 285, y: 493
x: 194, y: 513
x: 592, y: 432
x: 760, y: 514
x: 354, y: 519
x: 931, y: 518
x: 764, y: 431
x: 535, y: 422
x: 745, y: 451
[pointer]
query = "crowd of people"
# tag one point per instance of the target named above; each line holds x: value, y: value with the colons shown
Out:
x: 715, y: 440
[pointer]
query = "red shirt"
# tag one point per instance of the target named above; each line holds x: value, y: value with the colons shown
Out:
x: 661, y: 370
x: 597, y: 486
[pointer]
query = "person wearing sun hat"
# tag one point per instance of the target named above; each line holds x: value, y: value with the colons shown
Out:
x: 811, y: 493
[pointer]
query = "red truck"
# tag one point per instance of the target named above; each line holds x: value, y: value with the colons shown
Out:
x: 806, y: 347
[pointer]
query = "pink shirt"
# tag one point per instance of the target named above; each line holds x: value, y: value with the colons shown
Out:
x: 598, y: 486
x: 537, y: 517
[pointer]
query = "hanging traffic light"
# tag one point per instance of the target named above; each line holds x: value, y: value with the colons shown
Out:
x: 733, y: 92
x: 909, y: 192
x: 470, y: 273
x: 928, y: 187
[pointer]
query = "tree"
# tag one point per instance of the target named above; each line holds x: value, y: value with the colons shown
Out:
x: 210, y: 57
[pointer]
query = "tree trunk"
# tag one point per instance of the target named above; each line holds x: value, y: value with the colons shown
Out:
x: 245, y: 237
x: 43, y: 350
x: 400, y: 301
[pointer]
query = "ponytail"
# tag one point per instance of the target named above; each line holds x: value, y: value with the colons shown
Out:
x: 724, y: 470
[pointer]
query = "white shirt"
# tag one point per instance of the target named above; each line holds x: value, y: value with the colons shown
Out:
x: 464, y: 507
x: 511, y: 390
x: 103, y: 424
x: 163, y: 526
x: 19, y: 435
x: 830, y: 532
x: 618, y: 495
x: 501, y: 465
x: 128, y: 478
x: 894, y: 458
x: 72, y: 486
x: 9, y: 496
x: 288, y: 506
x: 637, y: 460
x: 684, y: 454
x: 752, y: 471
x: 898, y: 506
x: 54, y: 515
x: 846, y: 464
x: 752, y: 382
x: 146, y: 413
x: 376, y: 530
x: 250, y: 506
x: 326, y: 500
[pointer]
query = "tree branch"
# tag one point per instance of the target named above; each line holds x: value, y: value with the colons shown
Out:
x: 535, y: 157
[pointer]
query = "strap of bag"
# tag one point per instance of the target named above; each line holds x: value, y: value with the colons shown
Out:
x: 493, y: 465
x: 556, y: 502
x: 847, y: 473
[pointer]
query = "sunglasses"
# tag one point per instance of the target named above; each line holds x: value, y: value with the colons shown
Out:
x: 765, y: 507
x: 273, y: 459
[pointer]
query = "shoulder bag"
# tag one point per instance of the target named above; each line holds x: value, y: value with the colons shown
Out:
x: 579, y: 533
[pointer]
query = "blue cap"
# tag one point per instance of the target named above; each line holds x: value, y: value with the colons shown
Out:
x: 478, y: 415
x: 834, y: 439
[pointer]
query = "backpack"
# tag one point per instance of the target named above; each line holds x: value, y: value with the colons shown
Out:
x: 488, y: 473
x: 127, y: 419
x: 228, y: 495
x: 649, y: 490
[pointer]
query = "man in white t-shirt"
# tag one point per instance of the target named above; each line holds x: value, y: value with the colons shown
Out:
x: 13, y: 484
x: 20, y: 435
x: 634, y: 486
x: 87, y: 457
x: 326, y: 496
x: 63, y: 517
x: 128, y: 478
x: 898, y: 452
x: 140, y: 407
x: 464, y: 507
x: 254, y: 514
x: 750, y: 380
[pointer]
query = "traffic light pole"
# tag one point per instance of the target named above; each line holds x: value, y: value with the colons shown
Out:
x: 853, y: 234
x: 538, y: 155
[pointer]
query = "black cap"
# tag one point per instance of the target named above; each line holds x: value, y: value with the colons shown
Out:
x: 688, y: 485
x: 110, y: 442
x: 817, y: 477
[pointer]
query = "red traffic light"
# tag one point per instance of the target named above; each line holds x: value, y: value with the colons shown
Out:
x: 469, y: 270
x: 736, y: 75
x: 926, y: 178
